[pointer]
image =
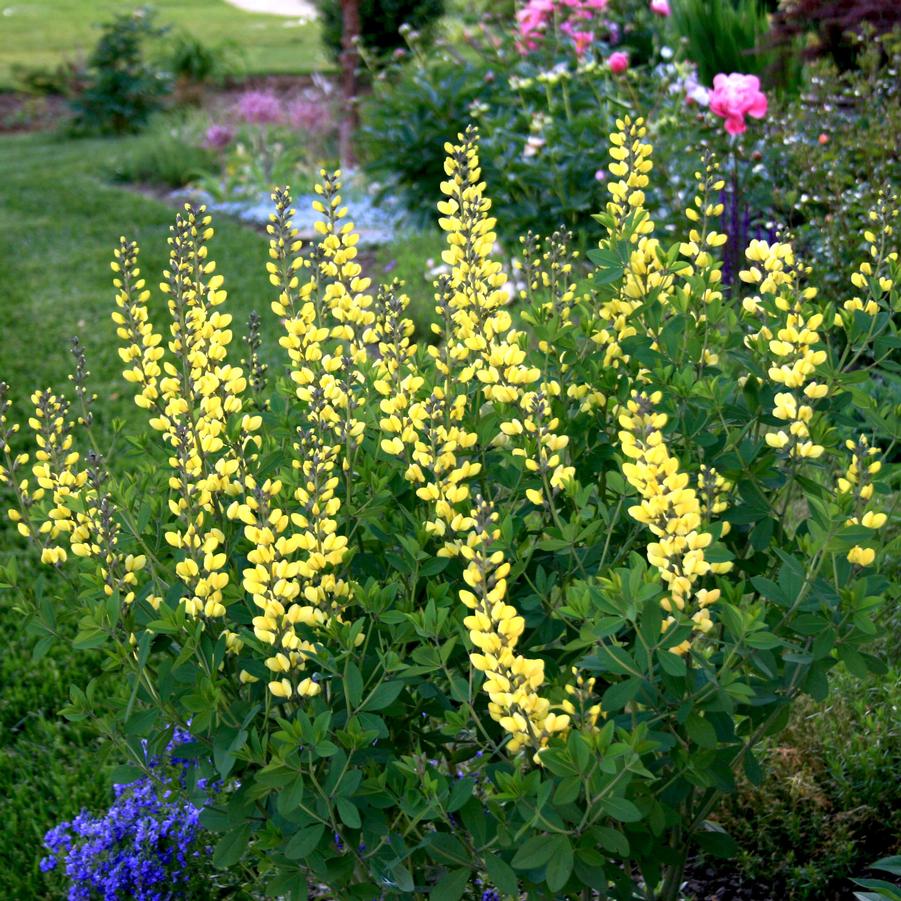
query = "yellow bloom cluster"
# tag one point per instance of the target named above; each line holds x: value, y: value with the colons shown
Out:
x: 788, y: 338
x: 306, y: 591
x: 857, y: 485
x: 272, y: 581
x: 631, y: 164
x: 484, y: 345
x: 345, y: 286
x: 55, y: 468
x: 542, y: 444
x: 96, y: 534
x: 143, y: 346
x: 670, y: 509
x: 512, y: 681
x: 700, y: 249
x: 199, y: 398
x: 644, y: 276
x: 876, y: 276
x: 580, y: 702
x: 27, y: 522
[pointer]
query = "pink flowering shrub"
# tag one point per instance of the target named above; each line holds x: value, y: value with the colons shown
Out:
x: 660, y: 7
x: 735, y: 96
x: 574, y: 18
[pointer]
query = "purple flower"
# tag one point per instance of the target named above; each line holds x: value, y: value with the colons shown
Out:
x: 308, y: 116
x: 259, y: 107
x: 143, y: 847
x: 491, y: 895
x: 218, y: 137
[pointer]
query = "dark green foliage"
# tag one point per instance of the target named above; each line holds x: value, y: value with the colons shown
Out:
x: 122, y: 88
x: 380, y: 22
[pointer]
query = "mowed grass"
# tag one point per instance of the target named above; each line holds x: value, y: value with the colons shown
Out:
x: 58, y: 225
x: 44, y: 33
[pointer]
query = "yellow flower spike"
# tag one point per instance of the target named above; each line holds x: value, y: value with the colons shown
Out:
x: 513, y: 682
x: 672, y: 510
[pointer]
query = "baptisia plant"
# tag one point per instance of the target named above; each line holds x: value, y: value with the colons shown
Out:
x: 508, y: 612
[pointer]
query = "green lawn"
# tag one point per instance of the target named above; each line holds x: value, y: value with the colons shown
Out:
x: 41, y: 33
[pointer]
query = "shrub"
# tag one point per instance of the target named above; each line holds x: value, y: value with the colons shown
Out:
x: 122, y: 89
x: 380, y: 22
x: 517, y: 606
x: 541, y: 115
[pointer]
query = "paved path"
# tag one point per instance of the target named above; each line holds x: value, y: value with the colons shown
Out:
x: 298, y: 9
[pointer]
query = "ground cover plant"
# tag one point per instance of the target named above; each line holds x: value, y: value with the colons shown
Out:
x: 513, y: 608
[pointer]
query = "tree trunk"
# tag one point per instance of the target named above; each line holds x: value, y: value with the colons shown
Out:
x: 350, y: 33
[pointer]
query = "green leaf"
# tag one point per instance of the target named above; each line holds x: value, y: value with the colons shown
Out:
x: 888, y: 865
x: 717, y: 844
x: 353, y: 684
x: 619, y: 694
x: 349, y: 813
x: 451, y: 886
x: 289, y: 799
x: 384, y: 695
x: 446, y: 848
x: 535, y: 853
x: 700, y: 731
x: 613, y: 840
x: 231, y: 847
x: 303, y: 842
x: 560, y: 866
x: 501, y: 875
x: 621, y: 809
x: 125, y: 773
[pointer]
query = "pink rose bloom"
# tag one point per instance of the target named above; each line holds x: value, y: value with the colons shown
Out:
x: 660, y: 7
x: 735, y: 96
x: 618, y: 62
x: 595, y: 4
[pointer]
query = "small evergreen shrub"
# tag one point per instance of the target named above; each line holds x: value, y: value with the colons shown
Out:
x: 122, y: 88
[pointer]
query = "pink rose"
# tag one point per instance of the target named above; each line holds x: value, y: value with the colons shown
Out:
x: 660, y: 7
x: 618, y: 62
x: 735, y: 96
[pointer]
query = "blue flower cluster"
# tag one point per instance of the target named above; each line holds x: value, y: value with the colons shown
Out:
x: 145, y: 847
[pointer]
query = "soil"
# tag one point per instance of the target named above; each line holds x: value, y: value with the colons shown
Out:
x: 21, y: 112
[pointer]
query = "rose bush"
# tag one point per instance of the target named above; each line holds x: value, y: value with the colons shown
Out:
x: 512, y: 609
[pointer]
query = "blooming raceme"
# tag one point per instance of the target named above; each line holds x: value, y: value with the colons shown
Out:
x: 735, y: 96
